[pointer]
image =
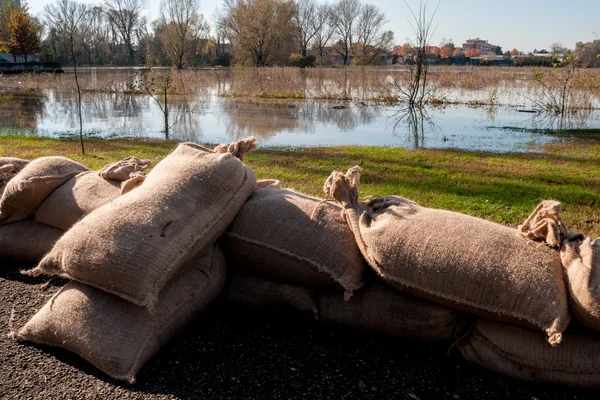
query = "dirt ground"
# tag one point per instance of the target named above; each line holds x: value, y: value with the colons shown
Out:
x: 227, y: 354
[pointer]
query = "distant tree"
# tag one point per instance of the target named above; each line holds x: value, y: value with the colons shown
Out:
x: 182, y: 28
x: 558, y: 48
x: 514, y: 52
x: 507, y: 55
x: 7, y: 8
x: 345, y: 16
x: 369, y: 34
x: 457, y: 52
x: 323, y: 35
x: 402, y: 50
x: 306, y: 24
x: 587, y: 53
x: 24, y: 35
x: 471, y: 52
x: 498, y: 50
x: 447, y: 42
x: 126, y: 17
x: 259, y: 29
x: 446, y: 52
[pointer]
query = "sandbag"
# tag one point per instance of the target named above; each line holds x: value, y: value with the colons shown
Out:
x: 294, y: 238
x: 376, y: 308
x: 75, y: 199
x: 581, y: 259
x: 116, y: 336
x: 258, y: 294
x: 525, y: 354
x: 132, y: 246
x: 9, y: 167
x: 25, y: 192
x: 459, y: 261
x: 27, y: 241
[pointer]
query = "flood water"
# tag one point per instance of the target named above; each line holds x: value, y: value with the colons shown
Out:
x: 209, y: 118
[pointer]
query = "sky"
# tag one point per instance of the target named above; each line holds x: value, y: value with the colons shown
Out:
x: 522, y: 24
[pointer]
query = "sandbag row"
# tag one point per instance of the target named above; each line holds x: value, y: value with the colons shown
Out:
x: 287, y: 250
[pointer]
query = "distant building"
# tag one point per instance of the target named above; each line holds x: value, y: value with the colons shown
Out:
x: 479, y: 44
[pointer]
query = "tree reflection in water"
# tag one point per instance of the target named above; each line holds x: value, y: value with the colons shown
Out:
x: 21, y: 110
x: 415, y: 123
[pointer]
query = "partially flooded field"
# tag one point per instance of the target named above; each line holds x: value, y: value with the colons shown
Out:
x: 495, y: 109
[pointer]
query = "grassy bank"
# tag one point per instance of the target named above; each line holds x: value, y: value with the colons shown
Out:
x: 500, y: 187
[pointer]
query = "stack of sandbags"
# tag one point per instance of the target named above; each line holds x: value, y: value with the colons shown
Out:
x: 461, y: 262
x: 145, y: 263
x: 135, y: 244
x: 117, y: 336
x: 293, y: 238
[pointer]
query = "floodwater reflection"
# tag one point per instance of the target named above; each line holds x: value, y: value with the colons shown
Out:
x: 208, y: 118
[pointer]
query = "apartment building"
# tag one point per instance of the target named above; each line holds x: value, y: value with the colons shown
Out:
x: 479, y: 44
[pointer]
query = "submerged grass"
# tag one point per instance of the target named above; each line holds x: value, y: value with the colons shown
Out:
x: 500, y: 187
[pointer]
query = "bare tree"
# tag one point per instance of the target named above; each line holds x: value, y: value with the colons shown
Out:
x: 345, y: 16
x: 182, y: 28
x: 66, y: 16
x: 326, y: 28
x: 369, y: 35
x: 126, y: 17
x: 417, y: 91
x: 307, y: 24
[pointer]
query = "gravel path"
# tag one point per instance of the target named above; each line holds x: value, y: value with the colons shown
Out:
x: 227, y: 354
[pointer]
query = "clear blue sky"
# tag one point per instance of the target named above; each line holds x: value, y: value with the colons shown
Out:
x: 524, y: 24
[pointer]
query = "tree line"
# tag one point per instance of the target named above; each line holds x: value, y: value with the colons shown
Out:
x: 247, y: 32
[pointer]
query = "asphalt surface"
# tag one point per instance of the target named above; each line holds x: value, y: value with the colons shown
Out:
x: 228, y: 354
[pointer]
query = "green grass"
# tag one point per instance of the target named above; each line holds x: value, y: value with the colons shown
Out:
x: 500, y: 187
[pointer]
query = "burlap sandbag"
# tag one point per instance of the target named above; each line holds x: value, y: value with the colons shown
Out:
x: 76, y: 198
x: 119, y: 337
x: 27, y: 241
x: 25, y: 192
x: 581, y: 259
x: 376, y: 308
x: 86, y: 192
x: 456, y: 260
x: 9, y: 167
x: 259, y: 294
x: 525, y: 354
x: 133, y: 245
x: 294, y: 238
